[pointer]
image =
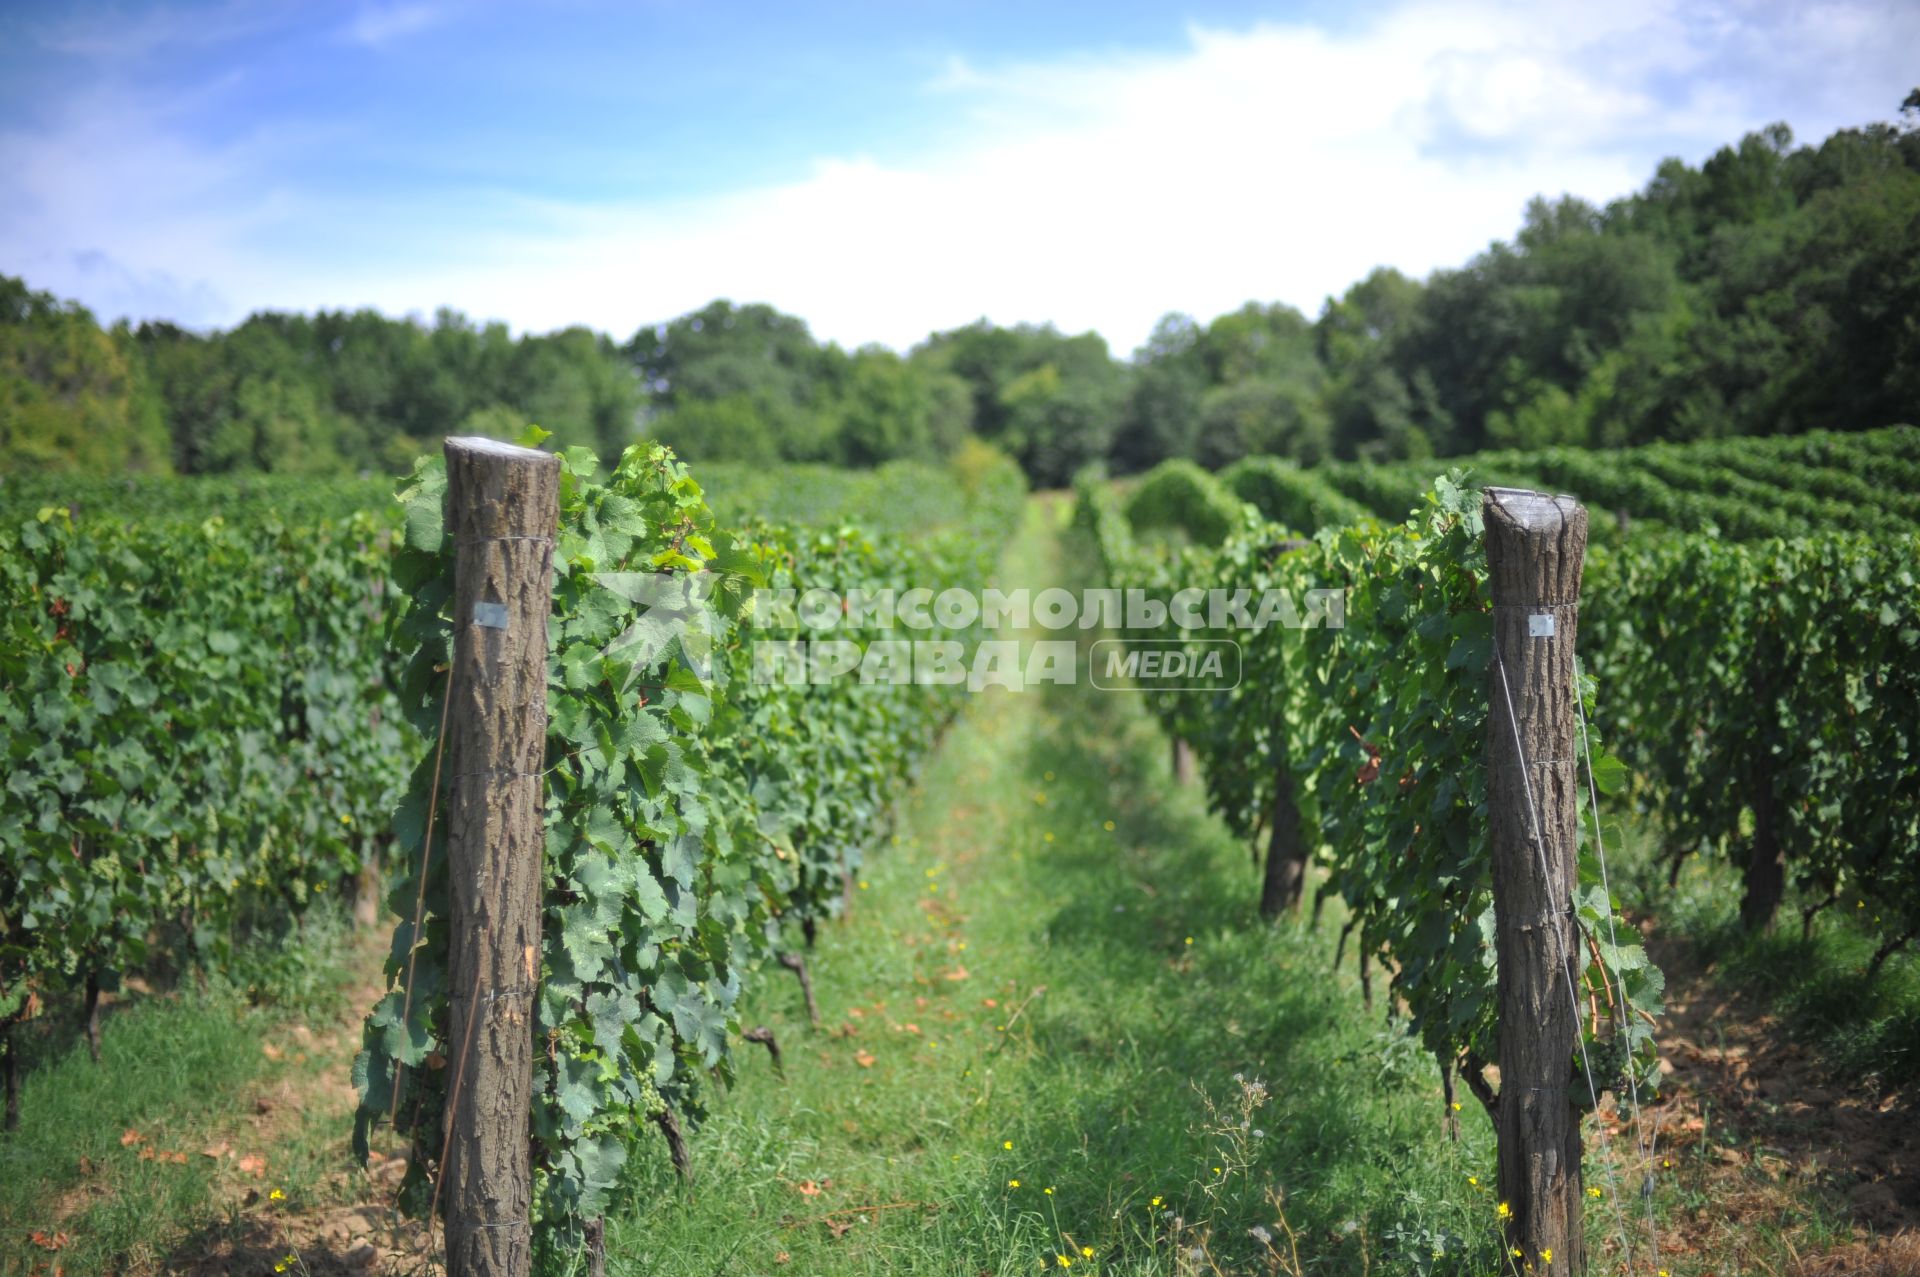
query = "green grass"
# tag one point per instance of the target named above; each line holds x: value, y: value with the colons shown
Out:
x: 1136, y: 1000
x: 187, y: 1071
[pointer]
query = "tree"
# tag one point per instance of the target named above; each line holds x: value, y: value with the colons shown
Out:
x: 70, y: 396
x: 1161, y: 418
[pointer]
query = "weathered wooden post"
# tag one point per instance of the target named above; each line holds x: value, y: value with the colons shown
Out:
x: 1536, y: 547
x: 502, y: 510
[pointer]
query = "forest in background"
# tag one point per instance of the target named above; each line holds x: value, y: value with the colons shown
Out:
x: 1773, y: 289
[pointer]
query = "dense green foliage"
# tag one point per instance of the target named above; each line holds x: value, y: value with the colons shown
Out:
x: 197, y: 728
x: 178, y: 500
x: 1745, y: 489
x: 1769, y: 695
x: 1758, y: 294
x: 1380, y: 725
x: 211, y: 708
x: 1290, y: 496
x: 749, y: 384
x: 1761, y: 293
x: 699, y: 819
x: 1179, y: 499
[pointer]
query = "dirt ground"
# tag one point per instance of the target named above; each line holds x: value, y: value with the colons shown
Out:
x: 1750, y: 1126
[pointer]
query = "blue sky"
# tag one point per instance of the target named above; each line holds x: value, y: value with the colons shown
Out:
x: 880, y: 169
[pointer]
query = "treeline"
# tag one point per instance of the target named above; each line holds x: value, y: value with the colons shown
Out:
x: 1767, y: 291
x: 332, y: 393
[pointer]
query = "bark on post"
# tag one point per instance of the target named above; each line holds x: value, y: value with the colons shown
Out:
x: 502, y: 510
x: 1536, y: 547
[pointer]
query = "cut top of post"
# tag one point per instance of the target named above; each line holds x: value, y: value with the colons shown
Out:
x: 1536, y: 546
x: 493, y: 447
x: 496, y: 491
x: 1534, y: 511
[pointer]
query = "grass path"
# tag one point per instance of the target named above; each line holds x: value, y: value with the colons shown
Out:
x: 1044, y: 1023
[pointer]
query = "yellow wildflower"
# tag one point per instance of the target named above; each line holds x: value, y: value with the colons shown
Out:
x: 1048, y: 1190
x: 1063, y: 1261
x: 1086, y: 1252
x: 1154, y: 1202
x: 276, y: 1196
x: 1506, y: 1211
x: 1007, y: 1144
x: 1013, y: 1183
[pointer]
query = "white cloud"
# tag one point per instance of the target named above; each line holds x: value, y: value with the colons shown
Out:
x: 1277, y: 162
x: 378, y: 25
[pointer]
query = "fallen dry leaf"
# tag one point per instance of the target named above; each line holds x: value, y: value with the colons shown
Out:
x: 958, y: 973
x: 216, y: 1151
x: 271, y: 1051
x: 253, y: 1165
x: 863, y: 1058
x: 807, y: 1188
x: 130, y: 1137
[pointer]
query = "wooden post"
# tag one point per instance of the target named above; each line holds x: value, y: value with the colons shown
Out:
x: 502, y: 511
x: 1536, y: 547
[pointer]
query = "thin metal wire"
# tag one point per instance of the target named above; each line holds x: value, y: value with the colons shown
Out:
x: 1626, y: 1012
x: 1560, y: 944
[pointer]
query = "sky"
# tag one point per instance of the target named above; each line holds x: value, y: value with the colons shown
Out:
x: 882, y: 169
